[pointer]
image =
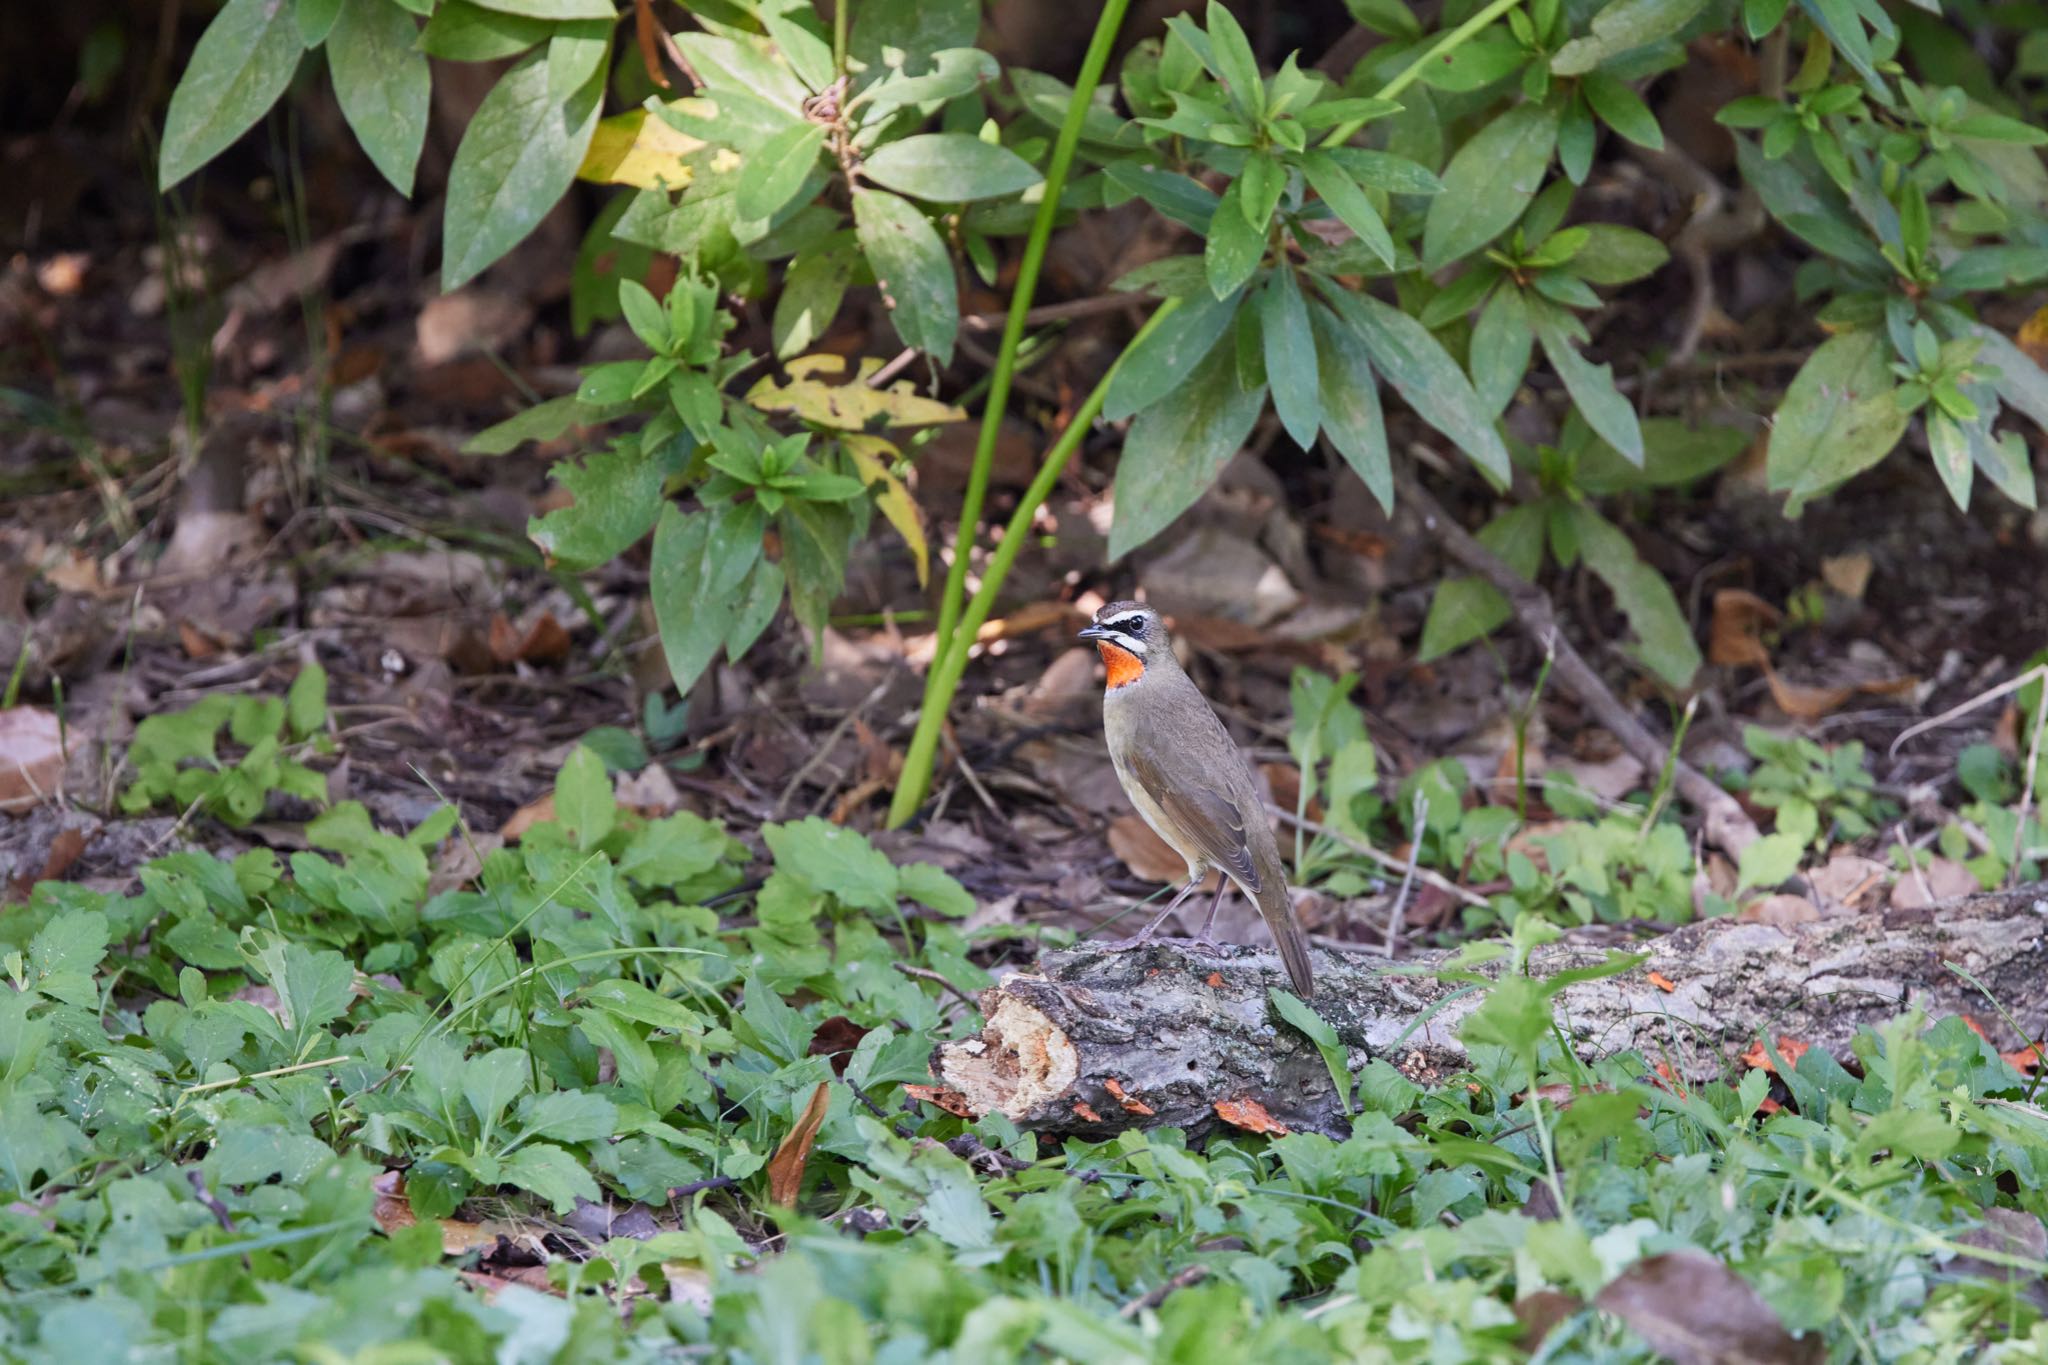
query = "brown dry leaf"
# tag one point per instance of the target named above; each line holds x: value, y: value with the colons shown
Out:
x: 2026, y: 1061
x: 393, y: 1211
x: 527, y: 816
x: 1146, y: 854
x: 650, y: 793
x: 1800, y: 701
x: 1736, y: 638
x: 688, y: 1282
x: 1847, y: 879
x: 196, y: 643
x: 1085, y: 1110
x: 545, y: 641
x: 1939, y: 879
x: 75, y: 572
x: 2033, y: 336
x: 1663, y: 982
x: 1780, y: 911
x: 1027, y: 620
x: 1539, y: 1313
x: 452, y: 325
x: 31, y: 757
x: 952, y: 1101
x: 66, y: 846
x: 648, y: 32
x: 786, y: 1167
x: 1283, y: 780
x: 1131, y: 1104
x: 1847, y: 574
x: 488, y: 1286
x: 1690, y: 1307
x: 1791, y: 1049
x: 1251, y: 1116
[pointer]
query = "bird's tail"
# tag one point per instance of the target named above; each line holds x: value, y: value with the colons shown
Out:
x: 1277, y: 910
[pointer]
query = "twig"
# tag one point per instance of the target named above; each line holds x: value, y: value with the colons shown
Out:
x: 818, y: 754
x: 927, y: 974
x: 1386, y: 860
x: 1408, y: 877
x: 1160, y: 1292
x: 1926, y: 895
x: 2019, y: 832
x: 1728, y: 826
x: 1058, y: 312
x: 212, y: 1202
x: 2038, y: 673
x: 716, y: 1182
x: 904, y: 359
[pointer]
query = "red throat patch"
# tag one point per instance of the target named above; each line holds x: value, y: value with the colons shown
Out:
x: 1124, y: 666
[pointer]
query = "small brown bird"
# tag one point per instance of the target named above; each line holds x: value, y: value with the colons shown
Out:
x: 1181, y: 771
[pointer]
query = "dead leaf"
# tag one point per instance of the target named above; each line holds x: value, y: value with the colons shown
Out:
x: 1846, y: 879
x: 647, y: 30
x: 836, y: 1038
x: 2026, y: 1061
x: 852, y: 405
x: 1028, y: 619
x: 1939, y: 879
x: 1540, y: 1313
x: 1131, y: 1105
x: 527, y: 816
x: 1736, y: 637
x: 874, y: 457
x: 786, y: 1167
x: 1662, y: 982
x: 2033, y: 336
x: 1791, y: 1049
x: 31, y: 757
x: 1800, y: 701
x: 545, y: 641
x: 952, y: 1101
x: 1780, y: 911
x: 392, y: 1210
x: 638, y: 149
x: 474, y: 319
x: 1847, y: 574
x: 650, y: 793
x: 1084, y: 1110
x: 1690, y: 1307
x: 1146, y: 854
x: 1249, y: 1115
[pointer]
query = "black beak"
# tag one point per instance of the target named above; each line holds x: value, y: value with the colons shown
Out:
x: 1096, y: 633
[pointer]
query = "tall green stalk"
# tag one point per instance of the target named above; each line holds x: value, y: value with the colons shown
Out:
x: 1092, y: 67
x: 951, y: 662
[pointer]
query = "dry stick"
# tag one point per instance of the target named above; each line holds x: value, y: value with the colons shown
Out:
x: 2037, y: 674
x: 1408, y: 877
x: 1386, y: 860
x: 1160, y: 1292
x: 1727, y: 825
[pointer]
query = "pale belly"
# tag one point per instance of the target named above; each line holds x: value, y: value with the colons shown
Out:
x: 1114, y: 730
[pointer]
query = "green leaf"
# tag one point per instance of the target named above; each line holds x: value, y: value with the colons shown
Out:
x: 617, y: 496
x: 1622, y: 109
x: 461, y: 31
x: 812, y: 291
x: 541, y: 422
x: 913, y: 270
x: 1291, y: 357
x: 63, y: 954
x: 1464, y: 609
x: 242, y: 63
x: 1161, y: 362
x: 1613, y: 254
x: 1768, y: 861
x: 569, y: 1115
x: 576, y: 52
x: 1349, y: 203
x: 583, y: 798
x: 305, y: 704
x: 1336, y: 1059
x: 554, y: 9
x: 1175, y: 448
x: 1423, y: 373
x: 954, y: 72
x: 800, y: 38
x: 1501, y: 342
x: 551, y: 1173
x: 692, y: 619
x: 1385, y: 171
x: 645, y: 315
x: 1837, y: 419
x: 517, y: 158
x: 316, y: 19
x: 836, y: 860
x: 1351, y: 404
x: 1485, y: 59
x: 1761, y: 16
x: 1591, y: 386
x: 934, y: 888
x: 912, y: 26
x: 381, y: 82
x: 1186, y: 201
x: 1622, y: 27
x: 949, y: 168
x: 754, y: 607
x: 1674, y: 455
x: 1388, y: 18
x: 1515, y: 1015
x: 777, y: 171
x: 1950, y: 448
x: 492, y: 1080
x: 1575, y: 139
x: 1235, y: 247
x: 1234, y: 63
x: 1264, y: 182
x: 1488, y: 184
x: 1664, y: 638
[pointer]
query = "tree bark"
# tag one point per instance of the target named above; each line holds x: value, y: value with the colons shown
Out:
x: 1161, y: 1035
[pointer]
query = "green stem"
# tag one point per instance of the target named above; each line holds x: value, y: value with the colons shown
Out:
x: 840, y: 10
x: 1448, y: 43
x: 951, y: 663
x: 1092, y: 65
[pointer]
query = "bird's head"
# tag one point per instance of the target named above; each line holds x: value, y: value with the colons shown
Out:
x: 1127, y: 635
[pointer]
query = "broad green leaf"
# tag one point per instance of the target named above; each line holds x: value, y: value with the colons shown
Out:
x: 305, y: 703
x: 316, y: 19
x: 913, y: 270
x: 1385, y: 171
x: 1622, y: 27
x: 1664, y: 638
x: 1485, y: 59
x: 812, y: 291
x: 242, y: 63
x: 617, y: 494
x: 462, y: 31
x: 693, y: 622
x: 1388, y: 18
x: 646, y: 316
x: 1840, y: 21
x: 541, y: 422
x: 912, y: 26
x: 382, y: 83
x: 569, y: 1115
x: 777, y: 171
x: 816, y: 538
x: 1235, y: 247
x: 1161, y: 362
x: 1234, y: 63
x: 1837, y: 419
x: 949, y: 168
x: 798, y: 35
x: 1423, y: 373
x: 754, y: 607
x: 1576, y: 136
x: 1591, y: 386
x: 517, y: 159
x: 1464, y: 609
x: 2019, y: 381
x: 1769, y: 861
x: 936, y: 889
x: 1351, y: 404
x: 550, y: 1172
x: 576, y: 52
x: 1488, y: 184
x: 1622, y: 109
x: 836, y: 860
x: 2004, y: 459
x: 1950, y: 448
x: 1180, y: 198
x: 1349, y: 203
x: 1674, y: 455
x: 1175, y: 448
x: 554, y: 9
x: 1302, y: 1016
x: 1291, y: 357
x: 583, y: 798
x: 1501, y: 342
x: 1613, y: 254
x: 953, y: 72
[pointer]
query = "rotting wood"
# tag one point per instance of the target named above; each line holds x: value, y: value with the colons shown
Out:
x: 1158, y: 1036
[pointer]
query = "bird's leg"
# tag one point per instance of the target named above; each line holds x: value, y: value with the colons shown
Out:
x: 1144, y: 935
x: 1202, y: 940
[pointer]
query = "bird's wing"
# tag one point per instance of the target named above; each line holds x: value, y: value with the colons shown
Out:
x: 1205, y: 815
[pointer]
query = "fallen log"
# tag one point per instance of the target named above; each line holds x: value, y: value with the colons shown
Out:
x: 1159, y: 1036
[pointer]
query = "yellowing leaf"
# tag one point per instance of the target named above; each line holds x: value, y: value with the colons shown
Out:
x: 853, y: 406
x: 872, y: 456
x: 633, y: 149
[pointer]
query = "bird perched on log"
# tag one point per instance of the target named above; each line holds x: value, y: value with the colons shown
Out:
x: 1177, y: 764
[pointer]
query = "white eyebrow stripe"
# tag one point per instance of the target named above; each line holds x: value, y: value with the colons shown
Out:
x: 1126, y: 616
